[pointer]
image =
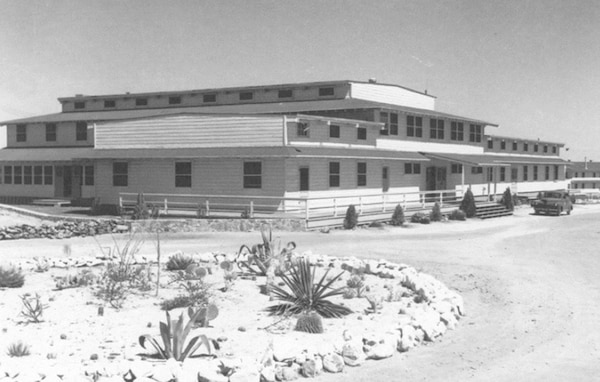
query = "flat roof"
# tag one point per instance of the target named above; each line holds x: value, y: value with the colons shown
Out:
x: 256, y: 108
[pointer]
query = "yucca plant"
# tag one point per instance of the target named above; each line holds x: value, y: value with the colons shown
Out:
x: 261, y: 256
x: 179, y: 262
x: 11, y: 278
x: 173, y: 339
x: 18, y: 349
x: 304, y: 295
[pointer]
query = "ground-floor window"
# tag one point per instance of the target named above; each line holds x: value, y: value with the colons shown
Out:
x: 120, y: 174
x: 334, y: 174
x: 525, y: 175
x: 18, y: 175
x: 477, y: 170
x: 490, y: 174
x: 556, y: 173
x: 412, y: 168
x: 361, y: 174
x: 514, y: 174
x: 38, y: 174
x: 547, y: 173
x: 502, y: 174
x: 48, y: 175
x: 27, y: 175
x: 252, y: 174
x: 456, y: 168
x: 183, y: 174
x: 535, y: 172
x: 88, y: 178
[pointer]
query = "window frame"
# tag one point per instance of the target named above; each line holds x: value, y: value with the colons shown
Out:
x: 334, y: 174
x: 246, y: 96
x: 414, y: 129
x: 183, y: 175
x: 457, y: 131
x: 110, y: 103
x: 303, y: 129
x: 334, y: 131
x: 88, y: 175
x: 79, y: 105
x: 525, y: 146
x: 502, y: 174
x: 503, y: 145
x: 8, y: 174
x: 141, y: 101
x: 525, y: 173
x: 456, y: 168
x: 17, y: 175
x: 490, y: 144
x: 81, y: 133
x: 515, y: 146
x: 476, y: 170
x: 209, y: 98
x: 547, y: 173
x: 21, y: 132
x: 361, y: 174
x: 361, y: 133
x: 252, y: 180
x: 535, y: 172
x: 475, y: 133
x: 38, y: 175
x: 48, y: 175
x: 411, y: 168
x: 175, y: 100
x: 326, y: 91
x: 514, y: 174
x: 436, y: 128
x: 285, y: 93
x: 120, y: 174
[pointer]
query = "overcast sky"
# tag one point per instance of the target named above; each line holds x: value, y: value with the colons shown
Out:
x: 533, y: 67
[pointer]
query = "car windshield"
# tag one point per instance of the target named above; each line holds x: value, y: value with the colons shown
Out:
x: 554, y: 195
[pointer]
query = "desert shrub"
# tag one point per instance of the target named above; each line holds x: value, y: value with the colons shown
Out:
x: 196, y: 292
x: 33, y: 309
x: 18, y: 349
x: 420, y: 297
x: 41, y: 264
x: 259, y: 258
x: 82, y: 278
x: 305, y: 295
x: 351, y: 218
x: 309, y: 323
x: 507, y: 199
x: 357, y: 283
x: 349, y: 293
x: 468, y: 204
x: 143, y: 210
x: 179, y: 262
x: 398, y: 216
x: 436, y: 213
x: 11, y: 277
x: 458, y: 215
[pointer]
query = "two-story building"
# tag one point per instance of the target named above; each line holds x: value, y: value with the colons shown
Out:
x: 319, y: 139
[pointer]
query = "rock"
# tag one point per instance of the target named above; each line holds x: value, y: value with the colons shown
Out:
x: 290, y: 373
x: 384, y: 346
x: 407, y: 338
x: 353, y: 353
x: 267, y: 374
x: 449, y: 320
x: 333, y: 363
x: 309, y: 369
x: 284, y: 348
x: 94, y: 357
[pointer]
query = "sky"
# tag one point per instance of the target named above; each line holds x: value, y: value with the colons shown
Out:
x: 532, y: 67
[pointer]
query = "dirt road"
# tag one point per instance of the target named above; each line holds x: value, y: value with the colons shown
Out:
x: 530, y: 284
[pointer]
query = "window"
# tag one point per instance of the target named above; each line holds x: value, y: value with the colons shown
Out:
x: 525, y: 174
x: 436, y: 130
x: 302, y: 129
x: 556, y: 173
x: 474, y: 133
x: 414, y: 126
x: 183, y: 174
x: 384, y: 118
x: 547, y: 173
x: 81, y: 131
x: 141, y: 102
x: 502, y: 174
x: 545, y: 148
x: 361, y: 174
x: 514, y: 146
x: 8, y: 175
x: 109, y: 103
x: 514, y: 174
x: 412, y: 168
x: 361, y: 133
x: 334, y: 131
x: 27, y: 175
x: 285, y: 93
x: 457, y: 131
x: 38, y: 175
x: 47, y: 175
x: 391, y: 123
x: 535, y: 148
x: 456, y: 168
x: 490, y: 174
x: 502, y: 145
x: 490, y: 144
x: 525, y: 146
x: 476, y: 170
x: 252, y: 174
x: 21, y: 133
x: 246, y: 96
x: 50, y: 132
x: 79, y: 105
x: 334, y: 174
x: 174, y: 100
x: 554, y: 149
x: 120, y: 174
x: 326, y: 92
x: 535, y: 172
x: 209, y: 98
x: 88, y: 179
x: 18, y: 179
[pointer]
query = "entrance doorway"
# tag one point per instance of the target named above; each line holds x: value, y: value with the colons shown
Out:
x: 435, y: 178
x: 304, y: 179
x: 67, y: 181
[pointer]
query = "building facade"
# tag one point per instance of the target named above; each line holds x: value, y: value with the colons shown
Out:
x: 305, y: 140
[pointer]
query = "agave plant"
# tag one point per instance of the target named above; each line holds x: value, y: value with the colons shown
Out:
x: 173, y: 338
x: 260, y: 257
x: 304, y: 295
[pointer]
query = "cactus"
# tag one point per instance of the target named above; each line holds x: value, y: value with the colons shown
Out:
x: 357, y: 283
x: 11, y: 278
x: 309, y: 323
x: 207, y: 313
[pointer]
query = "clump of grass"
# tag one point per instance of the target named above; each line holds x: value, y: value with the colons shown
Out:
x: 11, y: 277
x: 18, y: 349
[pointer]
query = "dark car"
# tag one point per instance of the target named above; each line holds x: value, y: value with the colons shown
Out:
x: 553, y: 203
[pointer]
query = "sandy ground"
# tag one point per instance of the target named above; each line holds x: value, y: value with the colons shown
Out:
x: 530, y: 286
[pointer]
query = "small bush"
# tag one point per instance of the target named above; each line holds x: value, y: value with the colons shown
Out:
x: 468, y: 204
x: 426, y: 220
x: 18, y: 349
x: 351, y: 218
x: 197, y: 293
x: 436, y: 213
x: 33, y: 309
x: 176, y: 302
x: 398, y: 216
x: 418, y: 217
x: 507, y: 199
x: 179, y: 262
x: 11, y: 278
x: 458, y: 215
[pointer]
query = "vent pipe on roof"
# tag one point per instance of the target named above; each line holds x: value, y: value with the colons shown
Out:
x: 372, y: 80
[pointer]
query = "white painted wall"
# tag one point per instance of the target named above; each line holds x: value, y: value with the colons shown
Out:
x: 391, y: 94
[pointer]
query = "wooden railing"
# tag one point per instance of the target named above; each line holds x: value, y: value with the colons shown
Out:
x: 307, y: 208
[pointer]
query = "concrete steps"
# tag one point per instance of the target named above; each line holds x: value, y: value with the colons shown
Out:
x: 491, y: 210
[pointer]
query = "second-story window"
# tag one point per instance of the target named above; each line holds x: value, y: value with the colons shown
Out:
x: 535, y: 148
x: 361, y: 133
x: 302, y: 129
x: 502, y: 145
x: 326, y: 92
x: 475, y: 133
x: 208, y: 98
x: 334, y: 131
x: 514, y: 146
x: 246, y: 96
x: 436, y: 128
x: 81, y: 131
x: 79, y: 105
x: 525, y: 146
x: 414, y: 126
x: 545, y: 148
x: 141, y: 102
x: 490, y: 144
x: 174, y: 100
x: 21, y: 133
x: 109, y: 103
x: 51, y: 132
x: 457, y: 131
x: 285, y: 93
x: 554, y: 149
x: 391, y: 123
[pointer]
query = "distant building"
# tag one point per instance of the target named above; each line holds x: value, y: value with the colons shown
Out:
x: 318, y: 139
x: 584, y: 174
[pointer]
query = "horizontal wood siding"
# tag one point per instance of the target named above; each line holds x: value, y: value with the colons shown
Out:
x: 191, y: 131
x: 392, y: 94
x: 319, y: 132
x: 36, y: 136
x: 209, y: 176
